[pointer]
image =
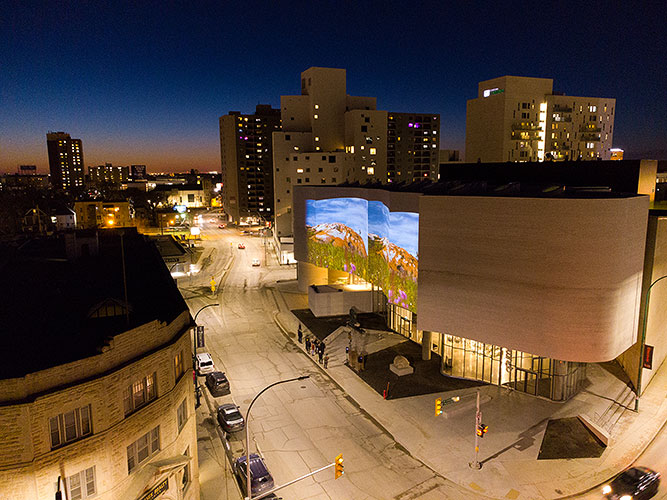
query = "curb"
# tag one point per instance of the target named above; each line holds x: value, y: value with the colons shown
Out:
x: 289, y: 336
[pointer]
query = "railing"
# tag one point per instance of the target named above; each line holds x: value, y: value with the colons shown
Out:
x: 559, y: 108
x: 526, y: 126
x: 590, y: 137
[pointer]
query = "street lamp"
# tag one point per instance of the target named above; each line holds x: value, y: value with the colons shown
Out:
x: 247, y: 431
x: 641, y: 344
x: 208, y: 305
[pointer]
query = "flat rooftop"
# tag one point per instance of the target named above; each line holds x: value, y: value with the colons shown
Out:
x: 55, y: 309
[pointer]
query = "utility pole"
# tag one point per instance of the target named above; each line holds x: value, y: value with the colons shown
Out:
x: 478, y: 424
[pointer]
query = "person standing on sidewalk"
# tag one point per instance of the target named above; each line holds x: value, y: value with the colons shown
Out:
x: 300, y: 333
x: 322, y: 347
x: 326, y: 361
x: 308, y: 345
x: 320, y: 352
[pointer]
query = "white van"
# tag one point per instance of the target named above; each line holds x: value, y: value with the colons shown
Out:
x: 204, y: 363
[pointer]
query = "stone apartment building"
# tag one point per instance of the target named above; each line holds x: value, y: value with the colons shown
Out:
x: 96, y: 392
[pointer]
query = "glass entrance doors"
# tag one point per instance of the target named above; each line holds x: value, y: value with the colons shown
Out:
x: 539, y: 376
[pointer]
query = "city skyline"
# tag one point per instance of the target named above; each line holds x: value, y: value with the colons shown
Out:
x: 138, y: 89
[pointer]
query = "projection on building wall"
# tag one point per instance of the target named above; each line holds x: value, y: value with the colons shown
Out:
x: 364, y: 238
x: 337, y: 231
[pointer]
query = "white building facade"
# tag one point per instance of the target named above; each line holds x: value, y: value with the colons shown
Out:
x: 522, y: 119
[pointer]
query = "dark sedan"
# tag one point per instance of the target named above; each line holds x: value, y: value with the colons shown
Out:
x: 636, y: 483
x: 217, y: 383
x: 230, y: 418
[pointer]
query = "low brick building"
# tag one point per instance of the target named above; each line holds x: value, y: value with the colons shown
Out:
x: 96, y: 392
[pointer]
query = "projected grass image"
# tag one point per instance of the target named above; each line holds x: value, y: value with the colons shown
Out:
x: 337, y: 232
x: 392, y: 253
x: 378, y: 232
x: 400, y: 252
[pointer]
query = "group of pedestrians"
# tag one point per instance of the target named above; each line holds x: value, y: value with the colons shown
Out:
x: 314, y: 347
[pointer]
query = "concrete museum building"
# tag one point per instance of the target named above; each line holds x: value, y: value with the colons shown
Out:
x: 96, y: 390
x: 514, y: 274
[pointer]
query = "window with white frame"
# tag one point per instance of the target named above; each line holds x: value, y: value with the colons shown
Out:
x: 70, y: 426
x: 140, y: 393
x: 82, y: 485
x: 182, y: 414
x: 142, y: 449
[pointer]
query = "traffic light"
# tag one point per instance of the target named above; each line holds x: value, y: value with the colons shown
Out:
x: 438, y: 406
x: 338, y: 464
x: 482, y: 429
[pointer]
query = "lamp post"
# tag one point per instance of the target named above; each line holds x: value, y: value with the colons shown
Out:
x: 641, y: 343
x: 195, y: 321
x: 247, y: 431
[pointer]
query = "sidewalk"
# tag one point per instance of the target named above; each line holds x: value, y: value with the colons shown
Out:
x: 517, y: 423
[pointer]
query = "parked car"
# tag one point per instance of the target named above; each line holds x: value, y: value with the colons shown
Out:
x: 230, y: 418
x: 260, y: 477
x: 204, y: 364
x: 636, y: 483
x: 241, y: 246
x: 221, y: 226
x: 255, y: 263
x: 217, y: 383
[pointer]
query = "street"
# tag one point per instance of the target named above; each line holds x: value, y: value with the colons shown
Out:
x: 301, y: 426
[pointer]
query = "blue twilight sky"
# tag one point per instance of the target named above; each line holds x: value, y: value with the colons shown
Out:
x: 353, y: 212
x: 145, y: 82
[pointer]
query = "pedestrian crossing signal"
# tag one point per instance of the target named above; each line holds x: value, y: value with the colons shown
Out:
x: 482, y: 429
x: 438, y: 406
x: 338, y: 464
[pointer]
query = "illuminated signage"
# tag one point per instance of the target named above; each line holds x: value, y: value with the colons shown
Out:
x: 157, y: 490
x: 493, y: 91
x: 648, y: 357
x: 180, y: 208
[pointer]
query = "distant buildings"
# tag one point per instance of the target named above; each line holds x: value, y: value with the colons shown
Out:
x: 616, y: 154
x: 102, y: 214
x: 96, y: 394
x: 246, y: 154
x: 65, y: 161
x: 521, y: 119
x: 138, y: 172
x: 329, y: 137
x: 108, y: 174
x: 20, y: 182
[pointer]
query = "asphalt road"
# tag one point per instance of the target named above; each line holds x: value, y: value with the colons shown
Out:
x: 302, y: 426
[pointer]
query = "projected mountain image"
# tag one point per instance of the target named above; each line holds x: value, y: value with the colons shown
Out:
x: 392, y: 259
x: 337, y: 232
x: 364, y: 238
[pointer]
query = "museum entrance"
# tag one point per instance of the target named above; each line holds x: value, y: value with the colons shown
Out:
x: 403, y: 321
x: 536, y: 375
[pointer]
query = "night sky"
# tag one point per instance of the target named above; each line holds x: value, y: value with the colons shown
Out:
x: 145, y: 82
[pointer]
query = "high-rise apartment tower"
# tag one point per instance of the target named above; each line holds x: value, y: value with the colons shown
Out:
x: 329, y: 137
x: 247, y: 162
x: 65, y: 161
x: 517, y: 118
